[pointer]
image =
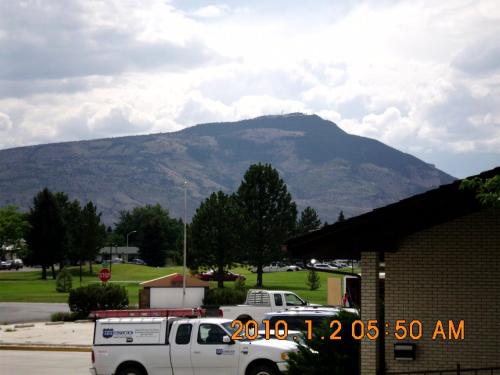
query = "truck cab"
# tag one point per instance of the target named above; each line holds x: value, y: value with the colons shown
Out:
x: 203, y: 346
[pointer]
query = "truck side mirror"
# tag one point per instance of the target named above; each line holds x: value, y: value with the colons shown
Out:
x: 227, y: 340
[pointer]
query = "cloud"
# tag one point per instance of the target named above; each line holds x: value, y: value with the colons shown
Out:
x: 44, y: 40
x: 211, y: 11
x: 421, y: 76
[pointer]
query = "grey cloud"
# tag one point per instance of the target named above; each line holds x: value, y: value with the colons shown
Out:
x: 482, y: 57
x: 50, y: 42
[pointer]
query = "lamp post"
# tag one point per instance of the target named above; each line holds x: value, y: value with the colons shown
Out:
x: 184, y: 250
x: 128, y: 234
x: 110, y: 256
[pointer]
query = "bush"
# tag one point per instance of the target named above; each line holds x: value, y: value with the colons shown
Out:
x: 224, y: 296
x: 64, y: 281
x: 63, y: 317
x: 239, y: 284
x: 86, y: 299
x: 313, y: 280
x: 328, y: 356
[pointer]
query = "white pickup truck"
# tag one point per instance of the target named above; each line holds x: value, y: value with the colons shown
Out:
x: 259, y: 302
x: 178, y: 346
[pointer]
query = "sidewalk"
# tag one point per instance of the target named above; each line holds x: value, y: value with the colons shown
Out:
x: 42, y: 336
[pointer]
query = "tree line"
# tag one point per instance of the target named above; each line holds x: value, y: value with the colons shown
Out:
x: 247, y: 226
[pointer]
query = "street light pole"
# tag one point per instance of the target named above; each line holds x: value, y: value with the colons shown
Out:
x: 184, y: 250
x: 129, y: 233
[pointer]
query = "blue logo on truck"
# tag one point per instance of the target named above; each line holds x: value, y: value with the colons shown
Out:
x: 107, y: 333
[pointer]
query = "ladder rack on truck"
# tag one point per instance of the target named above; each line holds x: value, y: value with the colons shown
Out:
x: 162, y: 313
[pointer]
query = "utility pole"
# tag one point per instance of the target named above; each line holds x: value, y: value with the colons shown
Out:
x: 184, y: 250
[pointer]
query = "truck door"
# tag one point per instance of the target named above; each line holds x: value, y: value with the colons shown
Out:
x: 210, y: 355
x: 179, y: 350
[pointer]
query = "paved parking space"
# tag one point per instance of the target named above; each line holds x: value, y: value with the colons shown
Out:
x: 44, y: 363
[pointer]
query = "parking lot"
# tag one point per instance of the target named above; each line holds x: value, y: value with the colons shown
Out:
x: 44, y: 362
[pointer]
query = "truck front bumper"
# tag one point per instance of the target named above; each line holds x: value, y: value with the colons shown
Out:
x: 282, y: 366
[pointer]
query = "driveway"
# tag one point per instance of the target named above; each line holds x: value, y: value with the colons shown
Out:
x: 18, y: 312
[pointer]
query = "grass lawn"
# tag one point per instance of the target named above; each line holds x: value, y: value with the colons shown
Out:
x: 28, y: 286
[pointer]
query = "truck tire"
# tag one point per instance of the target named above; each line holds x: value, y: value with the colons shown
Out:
x: 263, y: 370
x: 131, y: 370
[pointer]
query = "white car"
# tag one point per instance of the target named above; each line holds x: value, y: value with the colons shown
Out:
x: 167, y: 346
x: 324, y: 266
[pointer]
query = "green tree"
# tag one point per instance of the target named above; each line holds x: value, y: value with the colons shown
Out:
x: 214, y: 235
x: 13, y: 228
x: 93, y: 233
x: 46, y: 238
x: 487, y: 190
x: 153, y: 244
x: 321, y: 356
x: 341, y: 216
x: 169, y: 229
x: 64, y: 281
x: 313, y: 279
x: 309, y: 220
x: 268, y: 215
x: 71, y: 216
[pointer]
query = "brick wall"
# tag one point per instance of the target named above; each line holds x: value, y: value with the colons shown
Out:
x: 450, y: 271
x: 370, y: 310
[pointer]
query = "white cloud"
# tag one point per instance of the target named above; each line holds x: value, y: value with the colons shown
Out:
x: 421, y: 76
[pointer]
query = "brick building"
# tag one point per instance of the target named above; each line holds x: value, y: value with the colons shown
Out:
x: 440, y: 251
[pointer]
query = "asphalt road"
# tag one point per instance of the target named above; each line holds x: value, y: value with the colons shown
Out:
x: 18, y: 312
x: 44, y: 363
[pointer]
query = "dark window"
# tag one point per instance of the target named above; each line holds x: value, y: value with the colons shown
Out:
x: 183, y: 335
x: 211, y: 334
x: 293, y: 300
x: 278, y: 301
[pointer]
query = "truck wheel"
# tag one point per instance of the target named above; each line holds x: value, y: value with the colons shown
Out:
x: 131, y: 370
x: 263, y: 370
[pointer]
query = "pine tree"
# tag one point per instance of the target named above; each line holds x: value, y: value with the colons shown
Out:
x: 341, y: 216
x: 214, y: 234
x: 313, y: 279
x: 268, y: 215
x: 309, y: 221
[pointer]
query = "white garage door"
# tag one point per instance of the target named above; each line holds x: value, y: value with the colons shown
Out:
x: 172, y: 297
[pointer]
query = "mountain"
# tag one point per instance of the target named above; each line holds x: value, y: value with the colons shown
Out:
x: 324, y: 167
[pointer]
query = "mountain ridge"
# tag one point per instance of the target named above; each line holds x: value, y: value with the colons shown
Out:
x: 324, y: 166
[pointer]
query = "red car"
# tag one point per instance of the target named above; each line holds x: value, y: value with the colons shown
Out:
x: 211, y: 276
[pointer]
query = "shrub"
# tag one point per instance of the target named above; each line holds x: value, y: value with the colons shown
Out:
x: 93, y: 297
x: 324, y: 356
x: 224, y: 296
x: 313, y: 280
x: 64, y: 281
x: 239, y: 284
x: 63, y: 317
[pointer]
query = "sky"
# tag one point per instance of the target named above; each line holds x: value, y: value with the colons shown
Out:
x: 420, y: 76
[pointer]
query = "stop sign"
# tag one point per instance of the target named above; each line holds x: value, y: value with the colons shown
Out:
x: 104, y: 275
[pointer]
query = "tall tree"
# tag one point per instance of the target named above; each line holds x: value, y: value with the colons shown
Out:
x: 309, y: 220
x: 214, y: 235
x: 341, y: 216
x: 268, y: 215
x: 46, y: 237
x: 71, y: 216
x: 13, y: 227
x: 153, y: 244
x: 93, y: 233
x: 137, y: 219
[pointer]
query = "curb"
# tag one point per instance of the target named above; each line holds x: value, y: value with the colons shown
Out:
x: 47, y: 347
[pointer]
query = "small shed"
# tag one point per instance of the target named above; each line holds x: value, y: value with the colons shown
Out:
x: 166, y: 292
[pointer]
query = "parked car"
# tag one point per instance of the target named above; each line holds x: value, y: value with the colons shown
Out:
x: 324, y: 266
x: 4, y: 265
x: 117, y: 260
x: 210, y: 275
x: 277, y: 267
x: 138, y: 261
x: 16, y: 264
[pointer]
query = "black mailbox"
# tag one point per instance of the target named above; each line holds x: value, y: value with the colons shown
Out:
x: 405, y: 352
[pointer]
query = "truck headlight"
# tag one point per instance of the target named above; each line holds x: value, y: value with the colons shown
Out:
x: 284, y: 356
